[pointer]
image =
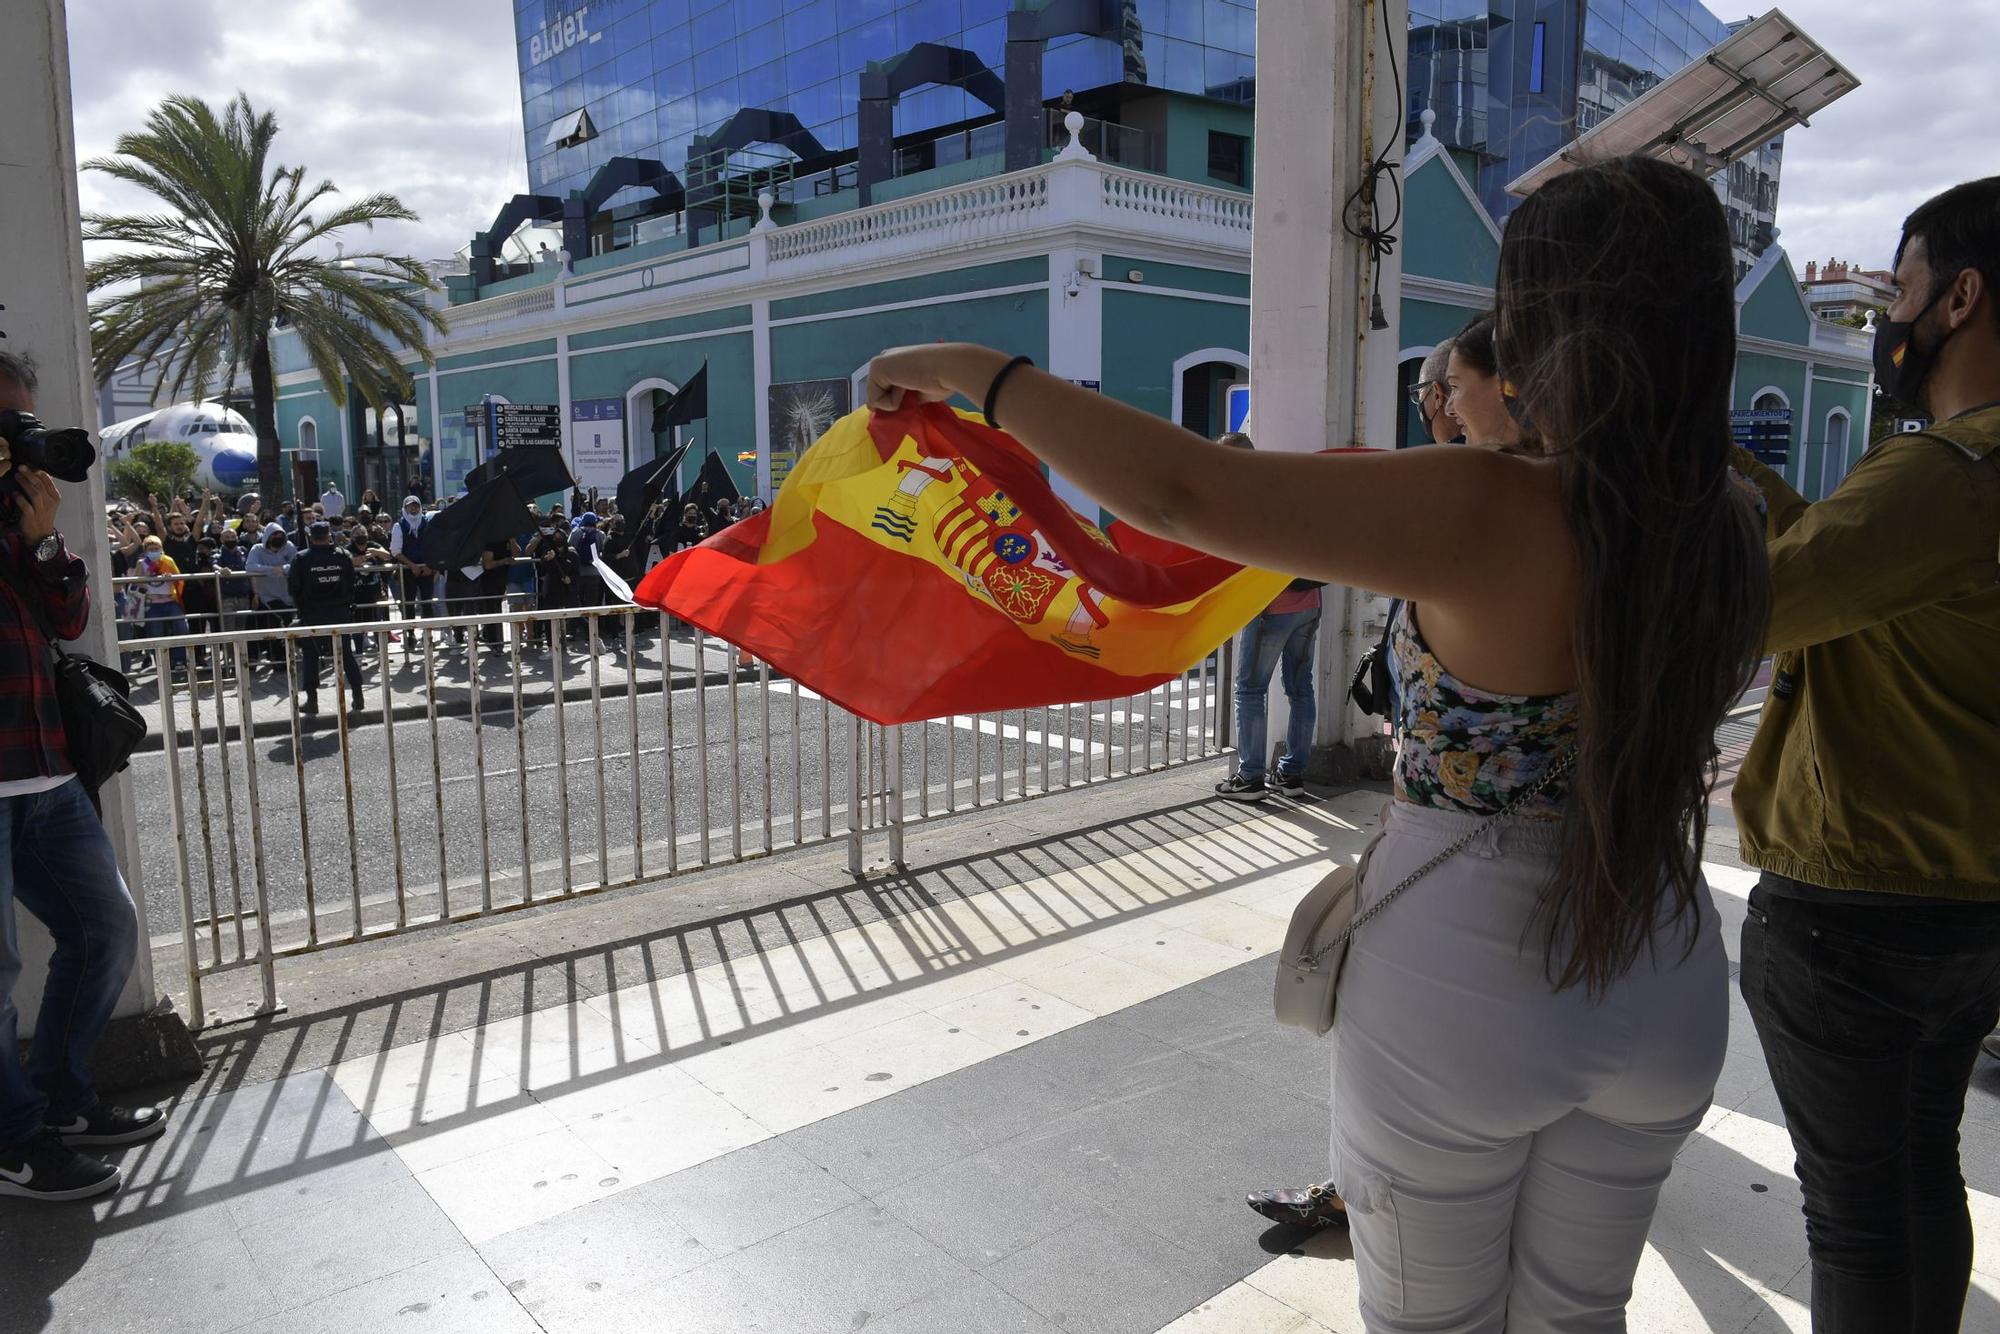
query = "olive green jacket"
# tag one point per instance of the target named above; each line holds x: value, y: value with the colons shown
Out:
x: 1877, y: 762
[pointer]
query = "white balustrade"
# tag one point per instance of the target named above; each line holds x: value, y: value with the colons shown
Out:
x: 1081, y: 192
x: 951, y: 216
x: 476, y: 318
x: 1160, y: 196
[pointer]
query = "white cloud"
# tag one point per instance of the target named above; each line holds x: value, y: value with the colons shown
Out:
x: 421, y: 98
x: 416, y: 98
x: 1911, y: 129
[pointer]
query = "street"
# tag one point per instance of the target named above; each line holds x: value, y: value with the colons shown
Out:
x: 407, y: 797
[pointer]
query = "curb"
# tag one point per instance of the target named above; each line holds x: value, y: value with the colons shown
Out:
x: 327, y: 722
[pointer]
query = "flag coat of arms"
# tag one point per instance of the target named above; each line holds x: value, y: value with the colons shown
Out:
x: 918, y: 564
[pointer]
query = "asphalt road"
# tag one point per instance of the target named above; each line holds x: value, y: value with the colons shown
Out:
x: 365, y: 829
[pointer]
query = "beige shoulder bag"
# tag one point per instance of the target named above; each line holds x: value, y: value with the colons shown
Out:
x: 1316, y: 942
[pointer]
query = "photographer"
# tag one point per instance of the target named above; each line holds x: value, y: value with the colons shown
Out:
x: 555, y: 576
x: 62, y: 868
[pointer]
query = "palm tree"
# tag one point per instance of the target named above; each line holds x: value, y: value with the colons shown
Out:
x: 237, y: 254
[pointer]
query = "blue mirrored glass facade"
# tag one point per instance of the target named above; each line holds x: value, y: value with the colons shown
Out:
x: 652, y: 74
x: 1512, y: 81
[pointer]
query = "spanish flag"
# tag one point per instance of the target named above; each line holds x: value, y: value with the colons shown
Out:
x: 917, y: 564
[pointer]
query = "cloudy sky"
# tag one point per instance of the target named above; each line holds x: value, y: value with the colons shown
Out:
x: 421, y: 98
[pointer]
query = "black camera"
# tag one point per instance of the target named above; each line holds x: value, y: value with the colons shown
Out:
x: 63, y: 454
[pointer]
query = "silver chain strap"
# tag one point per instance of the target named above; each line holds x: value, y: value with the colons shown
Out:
x: 1309, y: 962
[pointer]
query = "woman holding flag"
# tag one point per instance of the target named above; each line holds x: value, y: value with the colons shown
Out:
x: 1523, y: 1047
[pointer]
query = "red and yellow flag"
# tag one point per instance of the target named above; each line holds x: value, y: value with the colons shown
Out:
x: 917, y: 564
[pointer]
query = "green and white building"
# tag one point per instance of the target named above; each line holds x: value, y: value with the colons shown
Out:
x: 1133, y: 281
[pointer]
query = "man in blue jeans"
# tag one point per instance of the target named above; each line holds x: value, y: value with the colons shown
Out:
x: 1282, y: 637
x: 55, y: 859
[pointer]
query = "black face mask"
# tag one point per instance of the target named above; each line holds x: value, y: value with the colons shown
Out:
x: 1901, y: 367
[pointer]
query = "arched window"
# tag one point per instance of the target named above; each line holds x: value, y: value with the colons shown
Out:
x: 1773, y: 399
x: 641, y: 440
x: 1201, y: 382
x: 308, y: 436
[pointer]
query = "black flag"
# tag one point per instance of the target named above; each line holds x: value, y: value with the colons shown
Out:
x: 537, y: 470
x: 714, y: 483
x: 651, y: 480
x: 687, y: 405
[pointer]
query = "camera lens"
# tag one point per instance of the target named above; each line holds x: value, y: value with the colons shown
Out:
x: 67, y: 455
x: 63, y: 454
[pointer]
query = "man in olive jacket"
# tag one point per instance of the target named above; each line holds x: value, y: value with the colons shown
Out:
x: 1871, y: 798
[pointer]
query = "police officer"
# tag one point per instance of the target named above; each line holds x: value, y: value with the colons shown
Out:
x: 323, y: 582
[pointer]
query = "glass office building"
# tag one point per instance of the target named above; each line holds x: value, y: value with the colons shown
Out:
x: 641, y: 78
x: 1512, y: 81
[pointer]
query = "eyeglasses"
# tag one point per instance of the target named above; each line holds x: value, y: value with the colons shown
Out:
x: 1418, y: 390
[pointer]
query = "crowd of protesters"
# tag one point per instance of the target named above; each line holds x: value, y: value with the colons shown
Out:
x: 198, y: 565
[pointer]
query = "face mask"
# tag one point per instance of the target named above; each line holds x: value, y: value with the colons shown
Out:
x: 1901, y: 367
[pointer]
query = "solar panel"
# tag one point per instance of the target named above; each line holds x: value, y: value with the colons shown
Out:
x: 1765, y: 78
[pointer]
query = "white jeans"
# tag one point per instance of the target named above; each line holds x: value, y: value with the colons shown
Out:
x: 1501, y: 1147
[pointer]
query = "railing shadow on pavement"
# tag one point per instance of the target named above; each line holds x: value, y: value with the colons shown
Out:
x: 947, y: 917
x: 248, y: 1125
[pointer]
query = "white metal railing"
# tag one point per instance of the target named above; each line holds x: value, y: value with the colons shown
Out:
x: 671, y: 756
x: 962, y: 213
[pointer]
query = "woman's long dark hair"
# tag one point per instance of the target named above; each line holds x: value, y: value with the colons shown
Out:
x: 1617, y: 340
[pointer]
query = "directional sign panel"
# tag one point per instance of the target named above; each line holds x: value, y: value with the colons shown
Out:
x: 1765, y: 432
x: 527, y: 424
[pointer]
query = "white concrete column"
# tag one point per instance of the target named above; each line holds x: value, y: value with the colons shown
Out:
x: 1076, y: 298
x: 346, y: 449
x: 1805, y: 431
x: 1320, y: 376
x: 436, y: 478
x: 760, y: 343
x: 41, y: 288
x: 760, y: 386
x: 1076, y: 339
x: 569, y: 431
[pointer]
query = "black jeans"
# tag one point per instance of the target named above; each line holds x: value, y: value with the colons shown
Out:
x: 1870, y: 1016
x: 317, y: 645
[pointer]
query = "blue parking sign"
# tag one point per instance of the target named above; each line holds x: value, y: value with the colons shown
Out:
x: 1237, y: 406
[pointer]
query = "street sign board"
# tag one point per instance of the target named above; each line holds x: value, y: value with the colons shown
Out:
x: 527, y: 424
x: 1765, y: 432
x: 1237, y: 406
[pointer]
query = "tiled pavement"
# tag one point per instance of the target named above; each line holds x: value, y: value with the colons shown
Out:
x: 1028, y: 1100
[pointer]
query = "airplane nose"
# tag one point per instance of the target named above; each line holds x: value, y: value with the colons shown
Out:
x: 234, y: 468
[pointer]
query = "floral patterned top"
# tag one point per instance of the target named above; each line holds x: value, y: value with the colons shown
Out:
x: 1463, y: 749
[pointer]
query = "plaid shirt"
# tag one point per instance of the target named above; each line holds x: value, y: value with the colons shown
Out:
x: 31, y: 731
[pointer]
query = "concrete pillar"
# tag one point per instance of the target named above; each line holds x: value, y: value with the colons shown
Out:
x: 1321, y: 377
x: 1076, y: 297
x: 760, y: 344
x: 42, y: 290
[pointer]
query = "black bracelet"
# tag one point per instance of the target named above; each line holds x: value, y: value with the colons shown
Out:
x: 993, y: 390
